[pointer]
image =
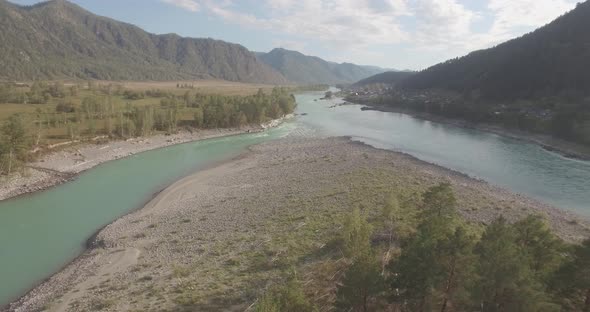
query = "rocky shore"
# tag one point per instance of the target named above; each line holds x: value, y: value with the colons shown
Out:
x: 63, y: 165
x: 211, y: 241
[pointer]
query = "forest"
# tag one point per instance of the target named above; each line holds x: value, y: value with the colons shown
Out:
x: 43, y: 114
x: 550, y: 61
x: 430, y: 259
x: 538, y: 82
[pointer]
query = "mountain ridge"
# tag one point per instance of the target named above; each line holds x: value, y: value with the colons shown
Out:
x: 538, y: 83
x: 76, y: 43
x: 388, y: 77
x: 550, y: 60
x: 305, y: 69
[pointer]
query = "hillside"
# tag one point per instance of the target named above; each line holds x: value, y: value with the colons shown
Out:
x: 553, y: 60
x: 538, y: 83
x: 58, y: 39
x: 390, y: 78
x: 304, y: 69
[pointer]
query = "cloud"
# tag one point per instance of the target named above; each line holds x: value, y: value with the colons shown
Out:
x: 342, y: 23
x: 190, y: 5
x: 446, y: 25
x: 441, y: 24
x: 510, y: 15
x: 439, y: 28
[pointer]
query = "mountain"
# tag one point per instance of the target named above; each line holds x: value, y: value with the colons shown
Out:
x: 58, y: 39
x: 390, y: 78
x: 552, y: 60
x: 303, y: 69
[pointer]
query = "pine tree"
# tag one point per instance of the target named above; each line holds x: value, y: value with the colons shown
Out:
x: 506, y: 282
x: 435, y: 267
x: 457, y: 263
x: 361, y: 284
x: 543, y: 249
x: 571, y: 283
x: 439, y: 202
x: 434, y: 270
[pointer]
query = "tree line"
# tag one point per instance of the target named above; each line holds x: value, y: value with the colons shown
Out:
x: 111, y: 111
x: 442, y: 263
x: 312, y: 87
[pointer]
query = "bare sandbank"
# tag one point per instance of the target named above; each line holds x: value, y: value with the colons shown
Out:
x: 63, y: 165
x: 215, y: 239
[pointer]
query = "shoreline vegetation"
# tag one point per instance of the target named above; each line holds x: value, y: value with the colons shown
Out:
x: 217, y: 239
x: 44, y: 118
x: 550, y: 143
x: 64, y: 165
x: 119, y: 261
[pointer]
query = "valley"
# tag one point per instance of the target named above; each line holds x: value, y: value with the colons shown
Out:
x: 274, y: 162
x: 207, y: 239
x: 146, y: 166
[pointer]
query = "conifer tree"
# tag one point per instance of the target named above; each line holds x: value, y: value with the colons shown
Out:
x: 506, y: 282
x: 361, y: 284
x: 571, y: 282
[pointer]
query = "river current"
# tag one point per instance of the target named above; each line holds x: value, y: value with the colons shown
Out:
x: 41, y: 232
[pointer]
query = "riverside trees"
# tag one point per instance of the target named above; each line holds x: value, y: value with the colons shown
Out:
x: 510, y: 267
x: 78, y: 112
x: 14, y: 143
x: 447, y: 264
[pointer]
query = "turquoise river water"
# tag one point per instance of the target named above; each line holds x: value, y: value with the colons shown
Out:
x: 41, y: 232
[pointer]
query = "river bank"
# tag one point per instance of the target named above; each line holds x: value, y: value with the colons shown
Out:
x: 215, y: 239
x: 63, y: 165
x: 553, y: 144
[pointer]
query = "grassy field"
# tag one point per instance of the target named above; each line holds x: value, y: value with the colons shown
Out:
x: 200, y: 86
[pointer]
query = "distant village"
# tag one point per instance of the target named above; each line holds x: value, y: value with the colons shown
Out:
x: 380, y: 94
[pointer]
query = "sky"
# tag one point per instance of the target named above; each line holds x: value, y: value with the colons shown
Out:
x: 396, y: 34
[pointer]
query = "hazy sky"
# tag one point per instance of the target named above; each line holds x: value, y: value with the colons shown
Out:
x: 401, y: 34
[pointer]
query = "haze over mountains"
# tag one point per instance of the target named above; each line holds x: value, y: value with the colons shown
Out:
x: 304, y: 69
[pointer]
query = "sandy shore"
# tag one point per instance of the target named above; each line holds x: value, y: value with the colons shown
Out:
x: 213, y: 240
x: 550, y: 143
x: 63, y: 165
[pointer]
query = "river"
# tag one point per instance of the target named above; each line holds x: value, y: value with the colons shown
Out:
x: 41, y: 232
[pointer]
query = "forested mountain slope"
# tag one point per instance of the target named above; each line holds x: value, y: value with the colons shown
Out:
x: 305, y: 69
x: 553, y: 60
x: 58, y: 39
x: 390, y: 78
x: 538, y: 83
